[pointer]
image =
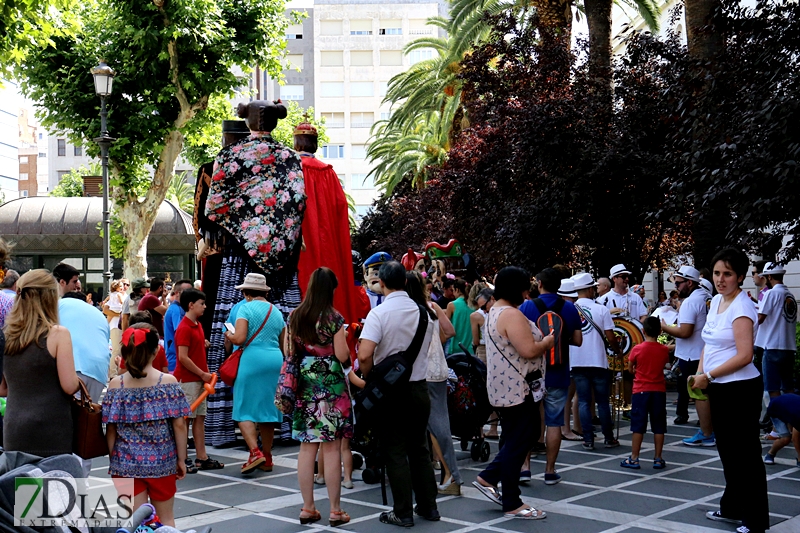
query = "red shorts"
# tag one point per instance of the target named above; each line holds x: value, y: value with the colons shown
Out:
x: 159, y: 489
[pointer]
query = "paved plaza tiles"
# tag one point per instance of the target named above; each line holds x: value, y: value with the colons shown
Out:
x: 595, y: 495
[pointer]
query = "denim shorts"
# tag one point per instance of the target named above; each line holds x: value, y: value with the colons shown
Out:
x: 778, y: 369
x: 652, y: 404
x: 554, y: 403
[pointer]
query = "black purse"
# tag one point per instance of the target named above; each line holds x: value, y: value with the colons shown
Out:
x: 386, y: 375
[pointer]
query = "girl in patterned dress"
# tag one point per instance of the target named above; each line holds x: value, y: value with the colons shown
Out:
x: 144, y: 410
x: 322, y: 415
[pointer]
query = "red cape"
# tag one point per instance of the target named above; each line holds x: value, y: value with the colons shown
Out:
x: 326, y: 234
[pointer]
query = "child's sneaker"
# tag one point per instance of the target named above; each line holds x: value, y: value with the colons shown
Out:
x: 769, y: 459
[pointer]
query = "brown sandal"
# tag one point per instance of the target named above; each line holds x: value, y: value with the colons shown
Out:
x: 314, y: 516
x: 342, y: 519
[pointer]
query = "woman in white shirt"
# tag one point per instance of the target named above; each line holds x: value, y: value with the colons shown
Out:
x: 514, y: 348
x: 734, y: 389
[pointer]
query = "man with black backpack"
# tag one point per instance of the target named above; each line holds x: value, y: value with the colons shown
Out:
x: 551, y: 313
x: 398, y: 332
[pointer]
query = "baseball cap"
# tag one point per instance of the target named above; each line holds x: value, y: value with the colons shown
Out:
x: 140, y: 283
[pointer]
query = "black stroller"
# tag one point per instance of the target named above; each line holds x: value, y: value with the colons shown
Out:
x: 468, y: 403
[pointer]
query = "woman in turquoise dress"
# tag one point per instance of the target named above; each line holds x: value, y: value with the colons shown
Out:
x: 322, y: 414
x: 260, y: 323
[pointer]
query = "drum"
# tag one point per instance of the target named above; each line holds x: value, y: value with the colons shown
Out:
x: 628, y: 332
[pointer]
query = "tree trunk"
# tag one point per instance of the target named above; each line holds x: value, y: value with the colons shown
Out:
x: 703, y: 32
x: 138, y: 216
x: 598, y: 18
x: 556, y: 18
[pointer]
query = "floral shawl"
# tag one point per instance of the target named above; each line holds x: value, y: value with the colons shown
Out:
x: 257, y: 194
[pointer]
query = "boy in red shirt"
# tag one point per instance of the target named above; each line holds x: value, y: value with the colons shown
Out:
x: 191, y: 371
x: 646, y: 362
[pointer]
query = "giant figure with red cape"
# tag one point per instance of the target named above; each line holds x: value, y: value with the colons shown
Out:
x: 326, y: 227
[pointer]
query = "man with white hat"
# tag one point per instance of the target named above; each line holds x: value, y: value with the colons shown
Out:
x: 590, y: 363
x: 567, y: 290
x: 777, y: 315
x: 689, y: 347
x: 619, y: 300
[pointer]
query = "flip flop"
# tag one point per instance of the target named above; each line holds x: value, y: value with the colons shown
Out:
x: 573, y: 439
x: 530, y: 513
x: 490, y: 492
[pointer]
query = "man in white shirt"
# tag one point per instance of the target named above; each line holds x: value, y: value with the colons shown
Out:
x: 689, y: 347
x: 589, y: 361
x: 622, y: 302
x: 402, y: 425
x: 777, y: 315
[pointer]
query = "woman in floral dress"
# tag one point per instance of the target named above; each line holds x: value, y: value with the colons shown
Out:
x: 322, y: 415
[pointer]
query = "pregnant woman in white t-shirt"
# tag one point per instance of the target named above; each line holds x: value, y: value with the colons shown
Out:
x: 734, y: 389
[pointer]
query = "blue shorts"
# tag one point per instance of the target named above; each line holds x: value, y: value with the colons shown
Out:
x: 778, y: 369
x: 554, y: 403
x: 652, y: 404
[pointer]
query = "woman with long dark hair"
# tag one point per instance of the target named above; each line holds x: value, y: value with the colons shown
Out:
x: 322, y: 416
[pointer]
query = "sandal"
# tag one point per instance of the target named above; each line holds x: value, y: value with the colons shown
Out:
x: 190, y: 468
x: 630, y: 463
x: 659, y: 463
x: 208, y: 464
x: 319, y: 480
x: 342, y: 518
x: 490, y: 492
x: 529, y: 513
x: 314, y: 516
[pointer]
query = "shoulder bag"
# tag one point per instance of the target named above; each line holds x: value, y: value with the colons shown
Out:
x: 534, y: 379
x: 88, y: 439
x: 230, y: 368
x: 387, y: 374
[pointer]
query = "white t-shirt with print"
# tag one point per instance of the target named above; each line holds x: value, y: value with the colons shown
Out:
x: 777, y: 332
x: 592, y: 352
x: 720, y: 344
x: 630, y: 302
x: 694, y: 310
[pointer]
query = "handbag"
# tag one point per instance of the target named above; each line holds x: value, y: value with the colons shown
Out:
x: 393, y: 370
x: 88, y: 439
x: 534, y: 379
x: 230, y: 368
x: 286, y: 393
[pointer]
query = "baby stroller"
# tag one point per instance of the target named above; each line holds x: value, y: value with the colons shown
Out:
x: 468, y: 403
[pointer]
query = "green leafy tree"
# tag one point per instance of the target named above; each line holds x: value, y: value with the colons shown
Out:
x: 71, y: 184
x: 181, y: 193
x: 172, y: 58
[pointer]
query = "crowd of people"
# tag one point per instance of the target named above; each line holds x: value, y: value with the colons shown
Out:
x: 552, y: 348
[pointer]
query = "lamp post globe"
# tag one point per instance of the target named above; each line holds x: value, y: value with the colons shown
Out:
x: 103, y: 83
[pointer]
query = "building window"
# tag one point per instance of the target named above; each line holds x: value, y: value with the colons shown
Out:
x: 361, y: 58
x: 42, y: 154
x: 415, y: 56
x: 23, y: 159
x: 77, y: 151
x: 62, y: 147
x: 358, y: 151
x: 362, y: 211
x: 24, y: 194
x: 419, y: 27
x: 391, y: 27
x: 40, y: 136
x: 330, y: 27
x: 295, y: 61
x: 294, y: 31
x: 362, y: 181
x: 383, y: 88
x: 362, y: 88
x: 362, y: 120
x: 333, y: 151
x: 292, y: 92
x: 333, y: 120
x: 23, y: 176
x: 361, y: 27
x: 331, y: 58
x: 391, y: 58
x: 331, y: 89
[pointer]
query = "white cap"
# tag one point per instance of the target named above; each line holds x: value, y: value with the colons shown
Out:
x: 616, y: 270
x: 688, y: 272
x: 773, y: 268
x: 567, y: 288
x: 706, y: 284
x: 583, y: 280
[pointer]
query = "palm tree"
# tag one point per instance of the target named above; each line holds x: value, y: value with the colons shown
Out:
x: 181, y: 193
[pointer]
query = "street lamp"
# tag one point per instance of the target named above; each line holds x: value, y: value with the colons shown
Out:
x: 103, y: 81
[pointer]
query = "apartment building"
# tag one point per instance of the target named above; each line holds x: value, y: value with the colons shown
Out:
x: 9, y: 140
x: 347, y: 51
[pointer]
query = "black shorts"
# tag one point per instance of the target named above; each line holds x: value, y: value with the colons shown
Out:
x: 652, y: 404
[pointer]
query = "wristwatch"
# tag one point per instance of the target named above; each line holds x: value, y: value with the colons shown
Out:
x: 710, y: 377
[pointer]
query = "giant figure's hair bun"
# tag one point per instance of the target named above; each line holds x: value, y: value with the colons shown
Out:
x: 262, y: 115
x: 241, y: 110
